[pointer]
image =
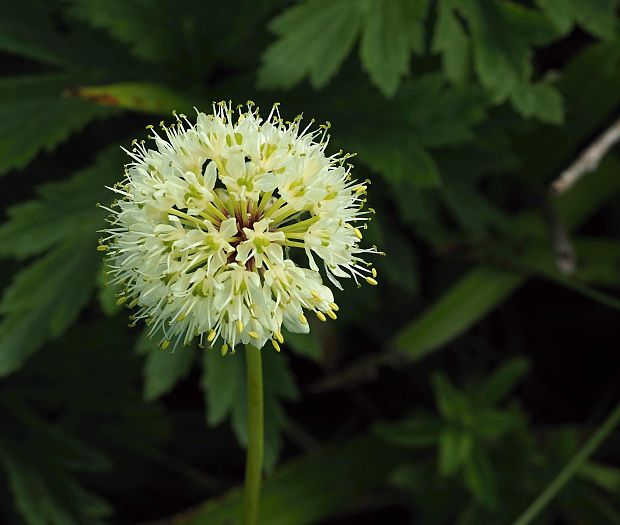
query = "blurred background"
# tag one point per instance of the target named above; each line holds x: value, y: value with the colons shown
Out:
x: 454, y: 392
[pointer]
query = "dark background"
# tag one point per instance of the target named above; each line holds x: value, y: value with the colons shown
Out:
x: 97, y: 425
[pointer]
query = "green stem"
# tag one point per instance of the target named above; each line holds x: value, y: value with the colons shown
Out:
x: 571, y: 467
x: 254, y: 459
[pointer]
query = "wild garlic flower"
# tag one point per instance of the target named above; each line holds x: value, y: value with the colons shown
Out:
x: 215, y: 225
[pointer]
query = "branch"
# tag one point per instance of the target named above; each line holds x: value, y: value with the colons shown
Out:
x: 588, y: 160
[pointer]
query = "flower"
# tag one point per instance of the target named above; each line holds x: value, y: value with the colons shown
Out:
x: 210, y: 228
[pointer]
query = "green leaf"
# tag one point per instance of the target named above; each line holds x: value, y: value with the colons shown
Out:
x: 39, y: 30
x: 26, y: 28
x: 597, y: 260
x: 398, y: 156
x: 163, y: 369
x: 455, y: 447
x: 44, y: 299
x: 40, y: 462
x: 482, y: 289
x: 468, y: 301
x: 144, y: 97
x: 310, y: 489
x: 314, y: 38
x: 501, y: 382
x: 57, y: 500
x: 52, y: 218
x: 451, y: 41
x: 418, y: 431
x: 502, y: 38
x: 46, y: 296
x: 604, y: 476
x: 489, y: 423
x: 441, y: 114
x: 452, y: 404
x: 391, y: 31
x: 155, y: 30
x: 470, y: 208
x: 36, y: 115
x: 223, y: 383
x: 480, y: 477
x: 541, y: 101
x: 596, y: 16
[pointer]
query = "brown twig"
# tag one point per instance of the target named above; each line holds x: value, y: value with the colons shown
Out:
x: 565, y: 257
x: 588, y: 160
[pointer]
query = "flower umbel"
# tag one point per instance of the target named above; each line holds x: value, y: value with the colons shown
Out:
x: 213, y: 224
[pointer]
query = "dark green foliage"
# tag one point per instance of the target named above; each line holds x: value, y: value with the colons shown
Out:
x: 223, y: 384
x: 461, y: 113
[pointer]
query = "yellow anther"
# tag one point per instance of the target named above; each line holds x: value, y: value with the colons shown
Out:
x: 334, y: 307
x: 358, y: 233
x: 103, y: 248
x: 321, y: 316
x: 302, y: 319
x: 279, y: 337
x: 253, y: 335
x: 224, y: 350
x: 315, y: 294
x: 239, y: 326
x: 121, y: 300
x: 374, y: 272
x: 275, y: 345
x: 164, y: 344
x: 332, y: 314
x: 211, y: 336
x: 371, y: 281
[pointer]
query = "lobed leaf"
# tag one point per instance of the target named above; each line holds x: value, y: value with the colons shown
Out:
x: 392, y: 30
x: 46, y: 296
x: 37, y: 115
x: 315, y: 37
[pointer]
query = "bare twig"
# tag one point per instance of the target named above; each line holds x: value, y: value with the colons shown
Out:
x: 564, y: 253
x: 588, y: 160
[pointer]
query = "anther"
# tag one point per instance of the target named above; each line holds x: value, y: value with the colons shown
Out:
x: 321, y: 316
x: 371, y: 281
x: 332, y: 314
x: 211, y: 336
x: 164, y: 344
x: 275, y: 345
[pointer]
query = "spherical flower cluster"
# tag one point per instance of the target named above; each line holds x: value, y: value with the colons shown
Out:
x: 213, y: 227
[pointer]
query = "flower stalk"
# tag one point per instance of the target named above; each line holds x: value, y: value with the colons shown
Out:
x: 254, y: 458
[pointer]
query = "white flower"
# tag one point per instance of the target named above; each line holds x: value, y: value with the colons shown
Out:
x: 204, y: 232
